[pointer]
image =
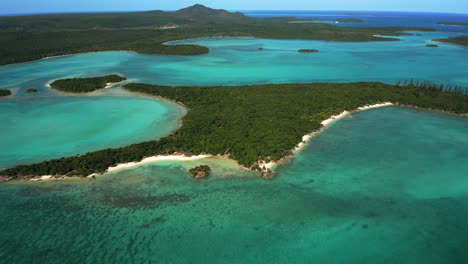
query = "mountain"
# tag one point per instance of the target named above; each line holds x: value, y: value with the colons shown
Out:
x: 202, y: 12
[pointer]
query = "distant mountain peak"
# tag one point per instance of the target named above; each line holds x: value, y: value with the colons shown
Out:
x: 201, y: 11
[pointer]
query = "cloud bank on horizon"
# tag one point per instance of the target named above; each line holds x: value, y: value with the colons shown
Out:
x: 44, y: 6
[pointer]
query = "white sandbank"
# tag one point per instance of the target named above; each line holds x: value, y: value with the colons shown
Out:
x: 156, y: 159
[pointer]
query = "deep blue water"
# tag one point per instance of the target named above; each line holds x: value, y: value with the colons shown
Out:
x: 376, y: 19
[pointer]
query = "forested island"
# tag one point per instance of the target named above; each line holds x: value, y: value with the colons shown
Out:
x: 85, y: 85
x: 31, y: 90
x: 201, y: 171
x: 308, y: 50
x: 432, y: 45
x: 461, y: 40
x: 250, y: 123
x: 146, y: 32
x: 460, y: 24
x: 4, y: 92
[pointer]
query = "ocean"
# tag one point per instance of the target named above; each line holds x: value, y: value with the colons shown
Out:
x: 385, y: 185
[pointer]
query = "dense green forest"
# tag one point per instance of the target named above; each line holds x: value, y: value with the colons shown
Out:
x: 4, y: 92
x: 85, y: 85
x: 145, y: 32
x: 251, y: 123
x: 461, y: 40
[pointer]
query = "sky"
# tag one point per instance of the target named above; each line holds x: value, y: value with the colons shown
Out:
x: 54, y: 6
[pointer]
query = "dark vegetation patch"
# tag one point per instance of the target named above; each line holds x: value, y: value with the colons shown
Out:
x: 5, y: 93
x: 31, y: 90
x: 460, y: 40
x: 251, y: 123
x: 85, y: 85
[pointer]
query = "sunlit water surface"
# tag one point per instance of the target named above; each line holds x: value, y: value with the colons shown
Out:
x: 386, y: 185
x: 382, y: 186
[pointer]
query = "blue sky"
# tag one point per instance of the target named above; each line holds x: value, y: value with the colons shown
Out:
x: 41, y: 6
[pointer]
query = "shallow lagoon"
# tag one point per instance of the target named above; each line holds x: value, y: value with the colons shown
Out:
x: 385, y: 185
x: 231, y: 61
x: 382, y: 186
x: 38, y: 129
x: 236, y: 61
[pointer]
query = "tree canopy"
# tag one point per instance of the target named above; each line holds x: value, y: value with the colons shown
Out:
x: 251, y: 123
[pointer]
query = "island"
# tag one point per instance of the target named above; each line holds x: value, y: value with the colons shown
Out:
x: 148, y: 33
x: 255, y: 125
x: 201, y: 171
x: 460, y: 40
x: 31, y: 90
x: 4, y: 92
x: 308, y: 51
x: 459, y: 24
x: 346, y: 20
x: 85, y: 85
x: 432, y: 45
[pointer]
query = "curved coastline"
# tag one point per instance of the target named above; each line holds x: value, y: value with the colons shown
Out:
x: 308, y: 119
x: 325, y: 124
x: 182, y: 157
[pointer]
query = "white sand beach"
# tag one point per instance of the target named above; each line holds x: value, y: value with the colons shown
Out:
x: 332, y: 119
x: 176, y: 157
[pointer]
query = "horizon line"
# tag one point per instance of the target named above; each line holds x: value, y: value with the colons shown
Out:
x: 230, y: 10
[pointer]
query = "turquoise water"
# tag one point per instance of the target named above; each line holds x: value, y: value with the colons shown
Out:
x: 385, y: 185
x: 234, y: 61
x: 231, y: 61
x: 38, y: 129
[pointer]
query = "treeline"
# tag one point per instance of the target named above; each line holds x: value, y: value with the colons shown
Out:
x: 85, y: 85
x: 250, y: 123
x: 460, y: 40
x: 54, y: 35
x: 422, y: 86
x: 4, y: 92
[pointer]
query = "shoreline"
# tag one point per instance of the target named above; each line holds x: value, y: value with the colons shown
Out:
x: 72, y: 54
x: 270, y: 165
x: 190, y: 39
x: 265, y: 173
x: 92, y: 93
x: 306, y: 138
x: 156, y: 158
x: 326, y: 123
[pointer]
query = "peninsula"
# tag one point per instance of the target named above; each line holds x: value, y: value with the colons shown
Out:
x: 146, y: 32
x: 460, y: 40
x: 252, y: 124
